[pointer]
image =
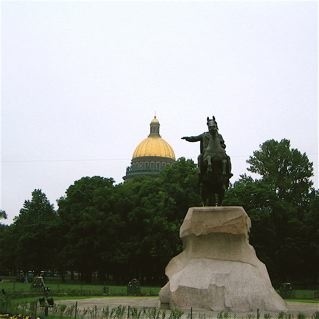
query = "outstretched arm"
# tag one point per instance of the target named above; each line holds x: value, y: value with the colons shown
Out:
x: 192, y: 138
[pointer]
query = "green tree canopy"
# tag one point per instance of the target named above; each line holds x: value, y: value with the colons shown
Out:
x: 286, y: 170
x: 131, y: 229
x: 277, y: 202
x: 152, y: 210
x: 83, y: 213
x: 33, y: 233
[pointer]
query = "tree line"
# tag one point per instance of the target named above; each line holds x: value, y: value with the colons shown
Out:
x: 131, y: 230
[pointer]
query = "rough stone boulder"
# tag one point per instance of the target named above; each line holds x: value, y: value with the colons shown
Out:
x: 218, y: 268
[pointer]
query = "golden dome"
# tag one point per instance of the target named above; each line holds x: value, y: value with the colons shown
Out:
x: 154, y: 145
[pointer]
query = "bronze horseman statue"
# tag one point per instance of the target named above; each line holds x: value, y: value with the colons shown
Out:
x: 213, y: 163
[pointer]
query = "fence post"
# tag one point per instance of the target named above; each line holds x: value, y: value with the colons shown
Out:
x: 36, y: 308
x: 46, y: 310
x: 76, y: 309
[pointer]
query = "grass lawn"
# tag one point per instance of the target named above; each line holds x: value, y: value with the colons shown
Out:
x: 74, y: 289
x: 315, y: 301
x: 303, y: 294
x: 23, y: 292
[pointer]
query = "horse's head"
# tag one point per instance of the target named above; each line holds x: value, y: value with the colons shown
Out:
x: 212, y: 124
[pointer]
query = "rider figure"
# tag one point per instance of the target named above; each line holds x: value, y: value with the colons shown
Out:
x: 204, y: 140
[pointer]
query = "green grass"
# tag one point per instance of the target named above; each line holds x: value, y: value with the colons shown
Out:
x: 303, y: 294
x: 77, y: 290
x: 303, y: 300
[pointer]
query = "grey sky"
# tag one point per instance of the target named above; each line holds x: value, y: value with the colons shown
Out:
x: 81, y: 82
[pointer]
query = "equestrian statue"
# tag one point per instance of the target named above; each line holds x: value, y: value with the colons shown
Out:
x: 213, y: 163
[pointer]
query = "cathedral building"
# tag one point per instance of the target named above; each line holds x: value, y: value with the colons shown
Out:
x: 151, y: 155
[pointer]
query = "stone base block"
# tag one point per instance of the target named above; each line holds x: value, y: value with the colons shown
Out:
x: 218, y: 270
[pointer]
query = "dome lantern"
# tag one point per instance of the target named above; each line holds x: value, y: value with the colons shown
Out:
x: 154, y: 127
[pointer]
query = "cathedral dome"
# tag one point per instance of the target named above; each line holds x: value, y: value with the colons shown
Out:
x: 151, y: 155
x: 154, y: 146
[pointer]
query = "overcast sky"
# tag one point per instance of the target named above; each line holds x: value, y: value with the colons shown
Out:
x: 81, y: 82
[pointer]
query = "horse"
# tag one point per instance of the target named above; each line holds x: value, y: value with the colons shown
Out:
x: 213, y: 172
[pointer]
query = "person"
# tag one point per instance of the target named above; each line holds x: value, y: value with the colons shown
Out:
x: 205, y: 143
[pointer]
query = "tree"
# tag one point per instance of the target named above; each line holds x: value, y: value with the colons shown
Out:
x: 286, y: 170
x: 152, y: 209
x: 180, y: 181
x: 33, y: 234
x: 311, y: 237
x: 277, y: 203
x: 250, y: 193
x: 84, y: 212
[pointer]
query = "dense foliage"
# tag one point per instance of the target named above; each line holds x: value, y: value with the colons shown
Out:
x: 281, y: 204
x: 118, y: 231
x: 131, y: 230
